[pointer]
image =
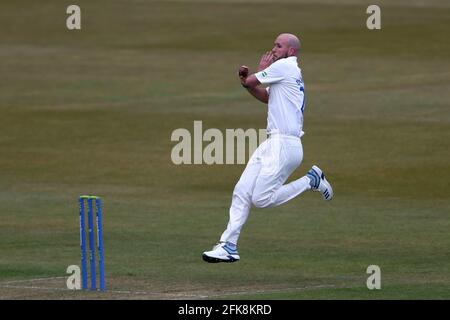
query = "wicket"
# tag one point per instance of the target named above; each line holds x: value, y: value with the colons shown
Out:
x: 101, y: 262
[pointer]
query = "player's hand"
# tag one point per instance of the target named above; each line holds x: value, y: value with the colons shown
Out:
x: 243, y: 71
x: 266, y: 60
x: 243, y: 74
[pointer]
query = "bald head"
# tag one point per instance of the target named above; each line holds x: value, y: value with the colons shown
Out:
x: 286, y: 45
x: 291, y: 41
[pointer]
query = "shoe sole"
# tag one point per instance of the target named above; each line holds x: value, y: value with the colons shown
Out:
x: 209, y: 259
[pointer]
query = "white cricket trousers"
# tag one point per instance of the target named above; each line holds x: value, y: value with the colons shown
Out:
x: 262, y: 182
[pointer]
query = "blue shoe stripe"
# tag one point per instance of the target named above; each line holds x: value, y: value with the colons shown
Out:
x: 315, y: 179
x: 229, y: 250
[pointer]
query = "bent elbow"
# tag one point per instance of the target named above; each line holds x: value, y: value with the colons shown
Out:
x: 251, y: 82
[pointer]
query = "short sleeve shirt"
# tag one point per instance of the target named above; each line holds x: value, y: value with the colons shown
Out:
x: 286, y: 96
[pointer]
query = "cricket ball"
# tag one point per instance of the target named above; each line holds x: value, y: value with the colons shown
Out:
x: 243, y: 71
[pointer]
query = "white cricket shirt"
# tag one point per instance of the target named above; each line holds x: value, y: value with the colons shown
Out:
x: 286, y: 96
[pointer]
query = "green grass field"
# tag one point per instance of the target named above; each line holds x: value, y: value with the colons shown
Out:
x: 92, y: 111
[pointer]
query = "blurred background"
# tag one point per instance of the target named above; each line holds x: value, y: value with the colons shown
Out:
x: 91, y: 111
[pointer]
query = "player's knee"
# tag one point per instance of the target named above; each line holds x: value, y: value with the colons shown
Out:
x: 262, y: 200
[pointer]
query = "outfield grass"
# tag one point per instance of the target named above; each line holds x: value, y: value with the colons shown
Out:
x: 92, y: 111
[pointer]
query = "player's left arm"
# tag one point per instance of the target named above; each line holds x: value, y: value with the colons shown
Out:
x: 251, y: 83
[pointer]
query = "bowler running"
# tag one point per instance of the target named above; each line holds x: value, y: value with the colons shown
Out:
x: 262, y: 183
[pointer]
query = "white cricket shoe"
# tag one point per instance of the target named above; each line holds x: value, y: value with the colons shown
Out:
x: 222, y: 252
x: 318, y: 182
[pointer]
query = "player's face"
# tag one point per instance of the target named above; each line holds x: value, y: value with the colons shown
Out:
x: 280, y: 49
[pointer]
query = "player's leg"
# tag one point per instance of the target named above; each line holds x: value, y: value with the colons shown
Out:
x: 226, y: 249
x: 284, y: 157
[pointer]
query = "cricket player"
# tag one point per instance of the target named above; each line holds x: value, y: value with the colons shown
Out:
x: 262, y: 182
